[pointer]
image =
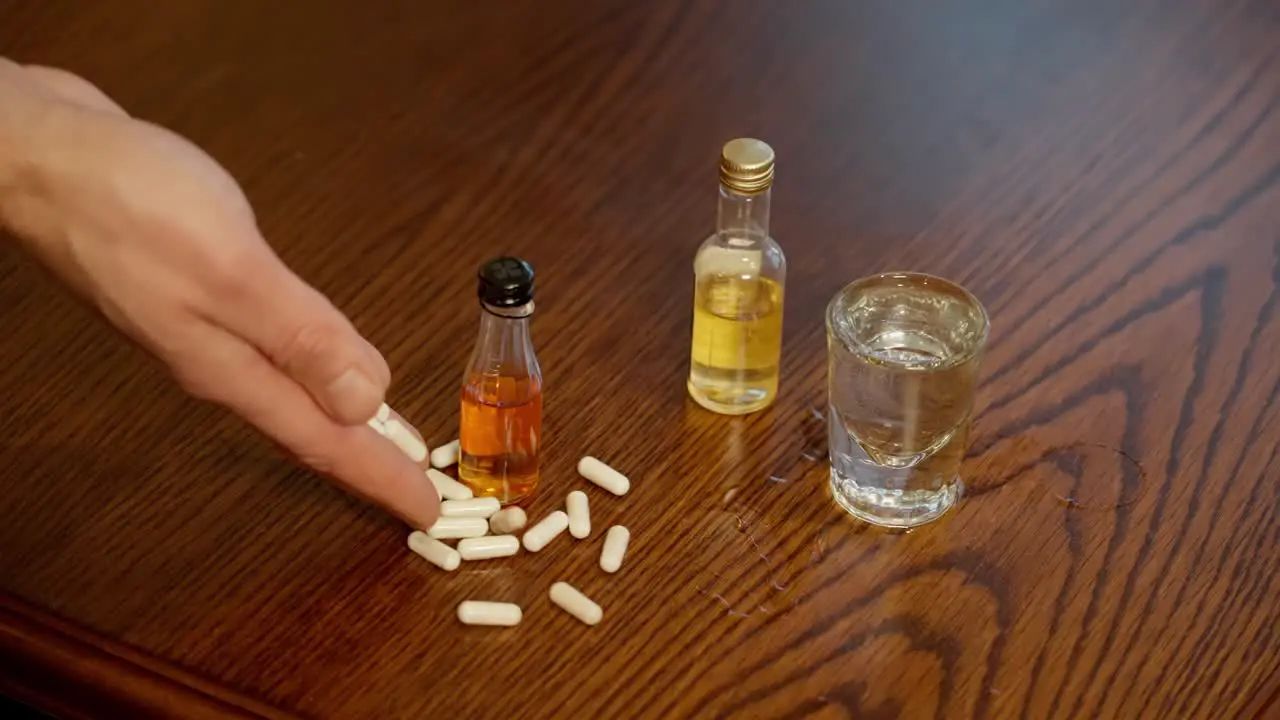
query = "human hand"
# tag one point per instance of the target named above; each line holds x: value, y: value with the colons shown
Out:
x: 156, y: 235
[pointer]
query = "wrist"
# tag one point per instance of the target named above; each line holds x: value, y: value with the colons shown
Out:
x: 14, y: 111
x: 26, y: 130
x: 17, y: 113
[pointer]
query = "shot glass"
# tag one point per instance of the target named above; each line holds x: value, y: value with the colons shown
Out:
x: 903, y: 354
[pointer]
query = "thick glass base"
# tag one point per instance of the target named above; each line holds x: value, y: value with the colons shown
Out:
x: 878, y: 505
x: 747, y: 400
x: 506, y: 493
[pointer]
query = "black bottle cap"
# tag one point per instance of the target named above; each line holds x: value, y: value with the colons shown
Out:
x: 506, y: 282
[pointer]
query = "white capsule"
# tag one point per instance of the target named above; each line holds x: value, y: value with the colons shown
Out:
x: 479, y: 612
x: 572, y: 601
x: 604, y: 476
x: 490, y: 546
x: 546, y: 531
x: 379, y: 418
x: 452, y: 528
x: 434, y: 551
x: 615, y: 547
x: 404, y: 439
x: 446, y: 455
x: 508, y: 520
x: 447, y: 487
x: 579, y: 514
x: 481, y: 507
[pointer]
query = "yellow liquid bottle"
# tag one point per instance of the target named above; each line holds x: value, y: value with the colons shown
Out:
x: 740, y: 277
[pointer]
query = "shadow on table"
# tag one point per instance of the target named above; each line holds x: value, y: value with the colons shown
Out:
x: 14, y: 710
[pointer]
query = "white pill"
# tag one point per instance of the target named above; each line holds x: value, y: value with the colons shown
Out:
x: 579, y: 514
x: 431, y: 549
x: 604, y: 476
x: 447, y: 487
x: 481, y: 507
x: 446, y: 455
x: 404, y: 439
x: 572, y: 601
x: 615, y: 548
x: 490, y: 546
x: 384, y: 413
x: 546, y: 531
x: 508, y: 520
x: 451, y: 528
x: 479, y: 612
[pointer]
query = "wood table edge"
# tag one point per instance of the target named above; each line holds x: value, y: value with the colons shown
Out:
x: 58, y: 667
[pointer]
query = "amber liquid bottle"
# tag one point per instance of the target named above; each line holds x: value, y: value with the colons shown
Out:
x: 501, y: 427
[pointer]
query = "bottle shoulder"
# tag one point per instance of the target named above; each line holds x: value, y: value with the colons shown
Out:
x: 719, y: 255
x: 505, y: 345
x: 766, y: 243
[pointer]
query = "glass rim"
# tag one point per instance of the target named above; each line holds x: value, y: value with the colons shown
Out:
x: 878, y: 278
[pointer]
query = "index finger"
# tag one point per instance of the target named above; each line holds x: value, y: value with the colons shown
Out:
x: 356, y: 457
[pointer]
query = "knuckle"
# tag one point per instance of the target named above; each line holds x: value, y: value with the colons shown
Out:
x: 308, y: 344
x: 231, y: 275
x: 194, y: 382
x: 318, y: 460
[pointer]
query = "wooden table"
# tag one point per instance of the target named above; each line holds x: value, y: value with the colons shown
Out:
x: 1104, y: 175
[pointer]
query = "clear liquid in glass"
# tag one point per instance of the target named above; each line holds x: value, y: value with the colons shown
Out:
x: 904, y: 351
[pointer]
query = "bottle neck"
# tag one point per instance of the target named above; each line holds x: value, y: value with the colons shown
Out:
x: 519, y: 312
x: 504, y: 345
x: 743, y: 219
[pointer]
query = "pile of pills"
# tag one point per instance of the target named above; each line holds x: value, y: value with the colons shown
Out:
x: 485, y: 530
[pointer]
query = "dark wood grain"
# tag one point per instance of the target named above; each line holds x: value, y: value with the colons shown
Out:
x: 72, y: 673
x: 1104, y: 175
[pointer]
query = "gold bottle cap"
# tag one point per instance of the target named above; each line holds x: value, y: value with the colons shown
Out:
x: 746, y: 166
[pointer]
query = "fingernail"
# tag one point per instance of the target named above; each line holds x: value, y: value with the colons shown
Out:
x: 352, y: 395
x: 378, y: 364
x: 404, y: 439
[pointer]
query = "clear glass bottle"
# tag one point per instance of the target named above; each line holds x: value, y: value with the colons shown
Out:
x: 501, y: 426
x: 739, y: 275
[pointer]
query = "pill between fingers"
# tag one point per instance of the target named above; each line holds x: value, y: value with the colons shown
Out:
x: 404, y: 439
x: 378, y: 421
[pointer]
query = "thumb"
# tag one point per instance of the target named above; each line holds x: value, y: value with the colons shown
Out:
x: 304, y: 335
